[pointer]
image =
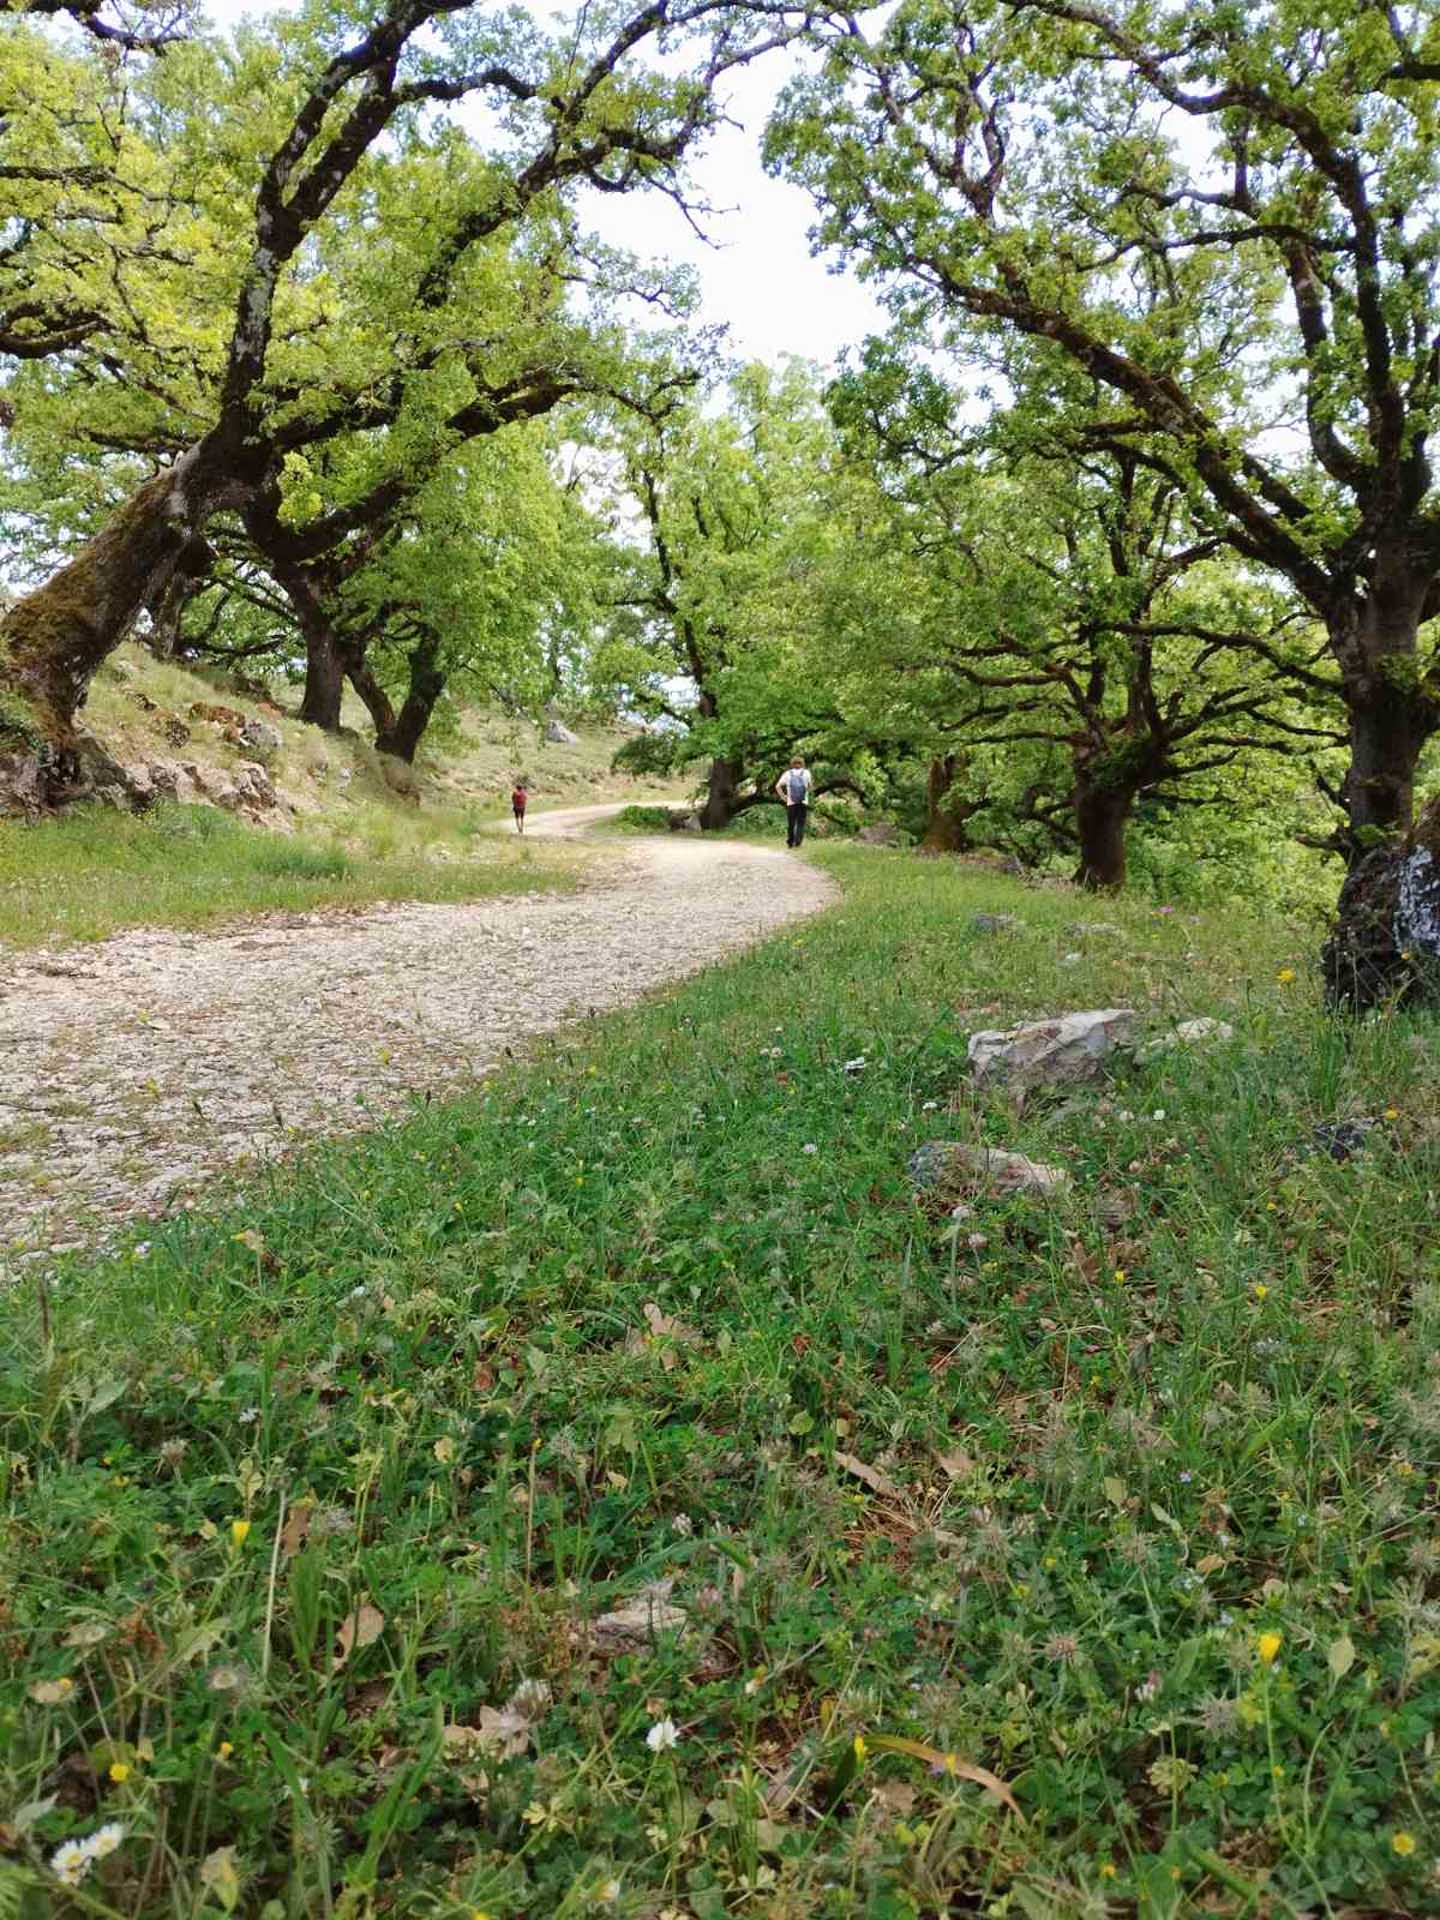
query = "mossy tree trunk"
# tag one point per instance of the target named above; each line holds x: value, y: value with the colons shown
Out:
x: 53, y: 640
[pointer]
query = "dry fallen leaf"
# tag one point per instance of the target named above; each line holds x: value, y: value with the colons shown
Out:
x: 873, y: 1478
x: 362, y: 1629
x: 296, y: 1530
x: 957, y: 1464
x: 947, y: 1763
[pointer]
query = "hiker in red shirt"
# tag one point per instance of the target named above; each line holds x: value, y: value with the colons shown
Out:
x: 518, y: 800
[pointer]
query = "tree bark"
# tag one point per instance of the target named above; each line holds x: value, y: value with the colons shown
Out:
x: 946, y: 826
x: 427, y: 682
x: 1102, y: 815
x: 1390, y: 714
x: 722, y: 794
x: 1385, y: 948
x: 52, y: 640
x: 167, y: 609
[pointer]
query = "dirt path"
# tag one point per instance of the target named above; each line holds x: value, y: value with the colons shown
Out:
x: 134, y: 1070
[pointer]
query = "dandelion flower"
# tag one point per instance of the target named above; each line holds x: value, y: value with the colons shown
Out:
x: 1403, y: 1844
x: 662, y: 1736
x: 225, y: 1749
x: 1261, y: 1290
x: 1267, y: 1646
x: 1285, y: 977
x: 119, y: 1772
x: 239, y: 1531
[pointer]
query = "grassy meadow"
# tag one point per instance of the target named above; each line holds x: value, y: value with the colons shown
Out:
x: 619, y: 1494
x: 95, y: 872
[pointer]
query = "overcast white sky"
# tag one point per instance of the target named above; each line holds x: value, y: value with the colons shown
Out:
x: 758, y: 278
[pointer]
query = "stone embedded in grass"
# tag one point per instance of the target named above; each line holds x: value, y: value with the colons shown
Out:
x: 1094, y: 929
x: 640, y: 1622
x: 1072, y: 1047
x: 947, y: 1166
x: 997, y: 922
x: 1188, y: 1033
x: 1341, y: 1139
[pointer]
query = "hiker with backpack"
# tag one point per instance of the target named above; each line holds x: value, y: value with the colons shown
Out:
x: 794, y: 787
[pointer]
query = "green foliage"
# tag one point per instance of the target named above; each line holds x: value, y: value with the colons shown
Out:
x: 311, y: 1510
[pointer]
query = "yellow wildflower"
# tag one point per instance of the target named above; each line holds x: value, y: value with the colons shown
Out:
x: 1285, y: 976
x: 1267, y: 1646
x: 1403, y: 1844
x: 1108, y: 1870
x: 859, y: 1745
x: 119, y: 1772
x: 239, y: 1531
x: 225, y: 1749
x: 1261, y: 1290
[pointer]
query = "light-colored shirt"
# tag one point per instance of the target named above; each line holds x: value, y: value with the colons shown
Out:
x: 798, y: 782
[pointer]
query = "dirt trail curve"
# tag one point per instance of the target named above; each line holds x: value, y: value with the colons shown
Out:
x: 134, y: 1070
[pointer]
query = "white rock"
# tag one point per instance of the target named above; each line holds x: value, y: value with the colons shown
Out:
x: 1051, y: 1052
x: 1189, y: 1033
x: 1004, y: 1172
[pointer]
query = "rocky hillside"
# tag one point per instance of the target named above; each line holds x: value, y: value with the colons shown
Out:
x: 206, y: 738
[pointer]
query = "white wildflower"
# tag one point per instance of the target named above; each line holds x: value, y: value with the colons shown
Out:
x: 810, y: 1147
x: 683, y: 1525
x: 104, y: 1840
x: 662, y: 1736
x: 70, y: 1863
x: 857, y: 1065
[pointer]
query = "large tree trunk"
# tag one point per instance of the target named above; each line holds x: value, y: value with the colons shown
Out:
x: 722, y: 794
x: 324, y: 679
x: 1386, y: 942
x: 1102, y: 815
x: 52, y: 640
x: 1390, y: 715
x: 946, y: 821
x: 427, y: 683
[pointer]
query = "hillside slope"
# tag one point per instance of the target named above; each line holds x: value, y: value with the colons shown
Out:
x: 192, y: 737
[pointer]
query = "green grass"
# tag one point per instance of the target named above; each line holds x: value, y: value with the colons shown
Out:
x: 298, y: 1499
x: 97, y: 871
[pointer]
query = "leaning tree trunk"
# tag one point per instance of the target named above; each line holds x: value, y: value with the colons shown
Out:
x: 946, y: 821
x: 1102, y: 816
x: 52, y: 640
x: 427, y: 683
x: 722, y: 794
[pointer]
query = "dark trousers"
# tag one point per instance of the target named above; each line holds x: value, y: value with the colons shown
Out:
x: 795, y: 816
